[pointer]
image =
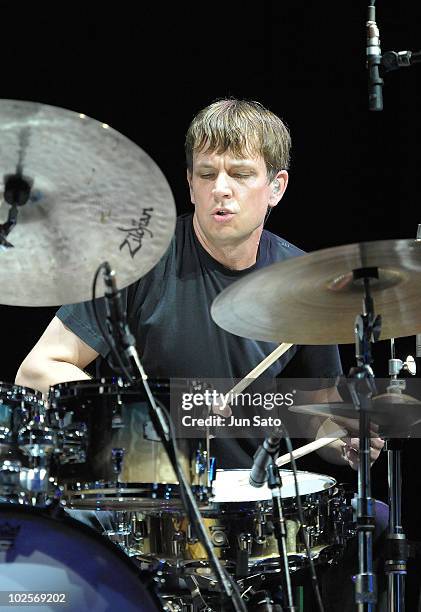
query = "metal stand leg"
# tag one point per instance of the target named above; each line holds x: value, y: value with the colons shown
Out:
x: 275, y: 484
x: 397, y: 546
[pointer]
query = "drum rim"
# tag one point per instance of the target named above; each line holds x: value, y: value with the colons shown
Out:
x: 26, y: 392
x: 328, y: 478
x: 118, y: 385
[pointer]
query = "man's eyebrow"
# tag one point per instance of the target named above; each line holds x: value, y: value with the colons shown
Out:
x: 240, y: 162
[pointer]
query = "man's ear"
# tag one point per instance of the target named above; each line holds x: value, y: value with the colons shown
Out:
x: 189, y: 180
x: 278, y: 187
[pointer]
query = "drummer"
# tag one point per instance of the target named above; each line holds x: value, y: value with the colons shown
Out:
x: 238, y: 155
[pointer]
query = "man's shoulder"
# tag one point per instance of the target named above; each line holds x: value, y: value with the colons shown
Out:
x: 278, y: 248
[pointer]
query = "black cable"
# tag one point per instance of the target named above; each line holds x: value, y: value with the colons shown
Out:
x: 314, y: 580
x: 107, y: 337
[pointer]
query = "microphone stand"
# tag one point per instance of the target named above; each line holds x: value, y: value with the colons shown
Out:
x: 123, y: 347
x: 275, y: 484
x: 397, y: 548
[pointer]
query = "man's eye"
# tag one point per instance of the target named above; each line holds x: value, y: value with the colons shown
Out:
x: 242, y: 175
x: 206, y: 176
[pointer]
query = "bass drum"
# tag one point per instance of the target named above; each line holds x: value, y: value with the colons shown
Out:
x: 69, y: 566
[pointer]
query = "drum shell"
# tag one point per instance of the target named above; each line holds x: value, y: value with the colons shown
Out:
x: 235, y: 527
x: 106, y: 415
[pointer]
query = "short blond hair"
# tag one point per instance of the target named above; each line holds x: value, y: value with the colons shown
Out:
x: 243, y: 127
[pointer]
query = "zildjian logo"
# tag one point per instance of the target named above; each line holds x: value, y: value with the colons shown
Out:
x: 136, y: 233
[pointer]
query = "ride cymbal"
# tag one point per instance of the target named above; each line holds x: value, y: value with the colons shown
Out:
x: 94, y: 195
x: 314, y: 299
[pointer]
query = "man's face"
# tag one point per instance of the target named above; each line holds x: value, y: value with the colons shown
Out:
x: 231, y: 195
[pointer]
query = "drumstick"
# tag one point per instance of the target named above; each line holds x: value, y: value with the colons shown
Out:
x: 311, y: 447
x: 259, y: 369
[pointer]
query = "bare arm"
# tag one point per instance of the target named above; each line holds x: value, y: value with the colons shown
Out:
x: 58, y: 356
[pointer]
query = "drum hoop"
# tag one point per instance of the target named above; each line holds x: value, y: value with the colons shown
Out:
x: 104, y: 387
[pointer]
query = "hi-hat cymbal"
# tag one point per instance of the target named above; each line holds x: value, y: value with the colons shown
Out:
x: 96, y: 196
x: 313, y: 299
x: 394, y: 413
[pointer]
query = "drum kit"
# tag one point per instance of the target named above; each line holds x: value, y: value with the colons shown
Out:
x: 88, y: 448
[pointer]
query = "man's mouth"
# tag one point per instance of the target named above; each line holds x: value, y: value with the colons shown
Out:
x: 222, y: 215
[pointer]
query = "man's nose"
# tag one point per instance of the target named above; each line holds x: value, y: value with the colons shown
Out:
x: 222, y: 188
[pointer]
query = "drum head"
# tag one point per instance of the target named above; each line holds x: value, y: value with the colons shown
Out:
x: 233, y: 486
x: 40, y: 554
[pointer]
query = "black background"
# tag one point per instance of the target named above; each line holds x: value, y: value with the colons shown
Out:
x: 147, y: 69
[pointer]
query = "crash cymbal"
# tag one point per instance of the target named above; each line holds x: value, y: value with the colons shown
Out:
x: 95, y: 196
x: 313, y: 299
x: 395, y: 414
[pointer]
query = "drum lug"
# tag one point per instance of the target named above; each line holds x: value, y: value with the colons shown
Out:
x: 117, y: 458
x: 190, y: 537
x: 139, y: 528
x: 218, y: 536
x: 244, y: 542
x: 200, y: 462
x: 178, y: 542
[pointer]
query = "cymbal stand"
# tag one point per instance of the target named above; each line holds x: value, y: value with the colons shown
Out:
x: 362, y: 388
x: 397, y: 548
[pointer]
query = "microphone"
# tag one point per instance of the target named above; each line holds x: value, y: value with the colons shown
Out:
x: 261, y: 460
x: 374, y: 57
x: 118, y: 328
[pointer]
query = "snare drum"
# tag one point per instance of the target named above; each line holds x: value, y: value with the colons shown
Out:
x: 238, y: 518
x: 111, y: 457
x: 66, y: 564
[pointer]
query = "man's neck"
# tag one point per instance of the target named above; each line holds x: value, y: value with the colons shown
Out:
x: 239, y: 256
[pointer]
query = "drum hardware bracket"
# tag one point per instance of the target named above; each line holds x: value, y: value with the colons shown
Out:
x: 17, y: 189
x: 117, y: 458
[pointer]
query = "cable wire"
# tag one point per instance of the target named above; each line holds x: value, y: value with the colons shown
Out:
x: 314, y: 580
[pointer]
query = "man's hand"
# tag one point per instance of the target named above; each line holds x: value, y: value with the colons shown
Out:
x: 350, y: 451
x: 350, y: 448
x: 347, y: 449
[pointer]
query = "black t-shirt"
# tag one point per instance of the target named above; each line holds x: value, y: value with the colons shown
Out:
x: 169, y: 314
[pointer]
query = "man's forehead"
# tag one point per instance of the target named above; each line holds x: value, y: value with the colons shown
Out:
x: 203, y: 158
